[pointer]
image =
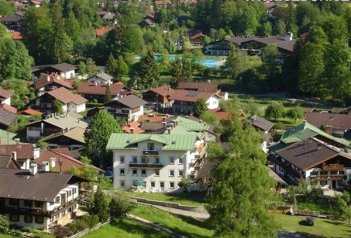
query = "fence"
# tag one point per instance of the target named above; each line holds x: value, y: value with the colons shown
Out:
x: 86, y: 231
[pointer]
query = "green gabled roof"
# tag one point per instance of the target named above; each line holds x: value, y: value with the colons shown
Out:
x: 7, y: 137
x: 151, y: 137
x: 191, y: 125
x: 182, y: 142
x: 307, y: 130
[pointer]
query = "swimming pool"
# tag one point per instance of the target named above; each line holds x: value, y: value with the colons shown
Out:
x: 207, y: 62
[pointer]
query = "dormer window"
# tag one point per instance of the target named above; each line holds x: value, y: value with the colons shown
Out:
x: 150, y: 146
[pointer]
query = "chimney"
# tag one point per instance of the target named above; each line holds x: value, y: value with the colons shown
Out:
x: 209, y: 81
x: 33, y: 169
x: 14, y: 155
x: 45, y: 166
x: 163, y: 118
x: 48, y: 78
x: 36, y: 153
x: 164, y: 124
x: 132, y: 130
x: 289, y: 36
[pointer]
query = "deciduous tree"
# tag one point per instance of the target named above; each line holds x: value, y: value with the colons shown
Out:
x: 274, y: 110
x: 200, y: 107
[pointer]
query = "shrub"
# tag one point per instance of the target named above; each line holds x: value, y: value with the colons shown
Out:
x: 119, y: 205
x: 91, y: 220
x: 61, y: 231
x: 4, y: 225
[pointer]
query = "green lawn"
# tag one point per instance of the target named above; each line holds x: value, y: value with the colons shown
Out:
x: 185, y: 225
x: 192, y: 199
x: 127, y: 229
x: 322, y: 228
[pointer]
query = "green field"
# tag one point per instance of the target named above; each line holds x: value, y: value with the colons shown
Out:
x: 127, y: 229
x: 184, y: 225
x: 192, y: 199
x: 322, y: 228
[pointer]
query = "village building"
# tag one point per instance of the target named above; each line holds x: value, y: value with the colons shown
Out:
x: 53, y: 124
x: 130, y: 107
x: 155, y: 163
x: 70, y: 102
x: 38, y: 199
x: 101, y: 78
x: 314, y: 161
x: 51, y: 82
x: 98, y: 91
x: 338, y: 125
x: 71, y: 138
x: 8, y: 116
x: 67, y: 71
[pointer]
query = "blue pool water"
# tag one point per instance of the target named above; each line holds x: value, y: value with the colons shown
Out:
x: 207, y: 62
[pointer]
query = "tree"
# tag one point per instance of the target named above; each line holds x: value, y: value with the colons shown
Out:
x: 274, y: 110
x: 238, y: 204
x: 181, y: 70
x: 271, y: 66
x: 108, y: 95
x: 131, y: 40
x: 122, y: 66
x: 100, y: 206
x: 58, y: 107
x: 186, y: 183
x: 98, y: 133
x: 119, y: 205
x: 112, y: 66
x: 200, y: 107
x: 295, y: 113
x: 145, y: 74
x: 7, y: 8
x: 15, y: 62
x: 20, y: 89
x: 4, y: 224
x: 3, y: 30
x: 91, y: 68
x: 342, y: 208
x: 237, y: 63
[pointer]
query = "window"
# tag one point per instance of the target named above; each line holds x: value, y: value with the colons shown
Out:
x: 157, y: 172
x: 180, y: 173
x: 57, y: 199
x: 14, y: 202
x: 157, y: 160
x: 14, y: 217
x: 39, y: 219
x: 122, y: 183
x: 28, y: 218
x: 121, y: 158
x: 180, y: 161
x: 171, y: 184
x: 135, y: 159
x: 121, y: 172
x: 69, y: 193
x: 38, y: 204
x: 135, y: 172
x: 27, y: 203
x: 152, y: 184
x: 171, y: 173
x: 74, y: 190
x: 143, y: 160
x: 150, y: 146
x: 162, y: 184
x: 143, y: 172
x: 171, y: 160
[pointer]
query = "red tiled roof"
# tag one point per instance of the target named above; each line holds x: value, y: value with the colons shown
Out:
x: 190, y: 96
x: 66, y: 96
x: 23, y: 151
x: 153, y: 118
x: 163, y: 91
x: 17, y: 35
x: 8, y: 108
x: 5, y: 93
x: 337, y: 121
x: 102, y: 31
x: 31, y: 112
x: 135, y: 125
x: 91, y: 88
x: 221, y: 115
x: 53, y: 78
x: 198, y: 35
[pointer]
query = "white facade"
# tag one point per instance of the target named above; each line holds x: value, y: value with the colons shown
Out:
x: 213, y: 102
x: 69, y: 74
x: 6, y: 101
x: 160, y: 172
x: 75, y: 108
x: 97, y: 80
x: 131, y: 114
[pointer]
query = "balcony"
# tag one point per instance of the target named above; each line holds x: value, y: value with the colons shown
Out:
x: 145, y: 165
x: 332, y: 167
x: 150, y: 152
x: 327, y: 177
x: 23, y: 210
